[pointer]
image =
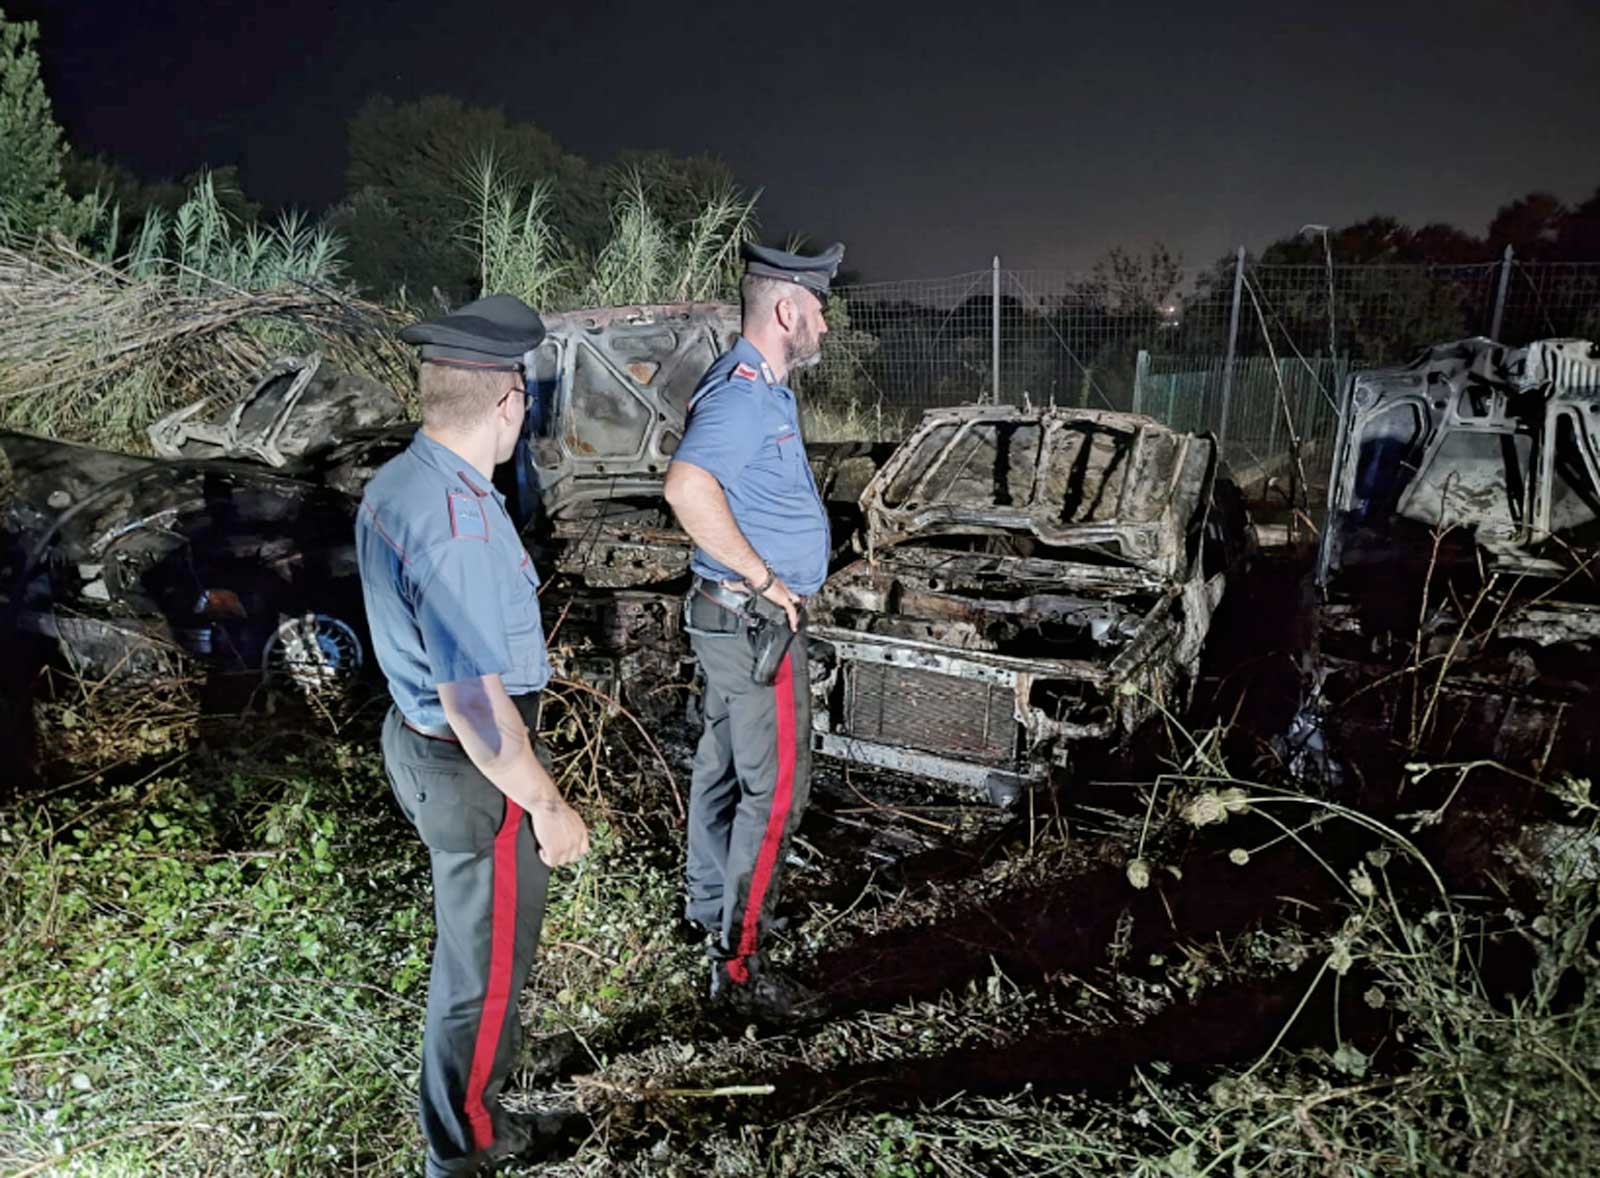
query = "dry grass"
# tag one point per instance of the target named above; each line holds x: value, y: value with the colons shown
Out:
x: 89, y: 352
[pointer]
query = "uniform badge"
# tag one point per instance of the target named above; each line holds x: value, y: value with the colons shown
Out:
x: 467, y: 520
x: 744, y: 372
x: 766, y: 373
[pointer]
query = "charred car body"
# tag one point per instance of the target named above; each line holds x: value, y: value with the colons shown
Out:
x: 1460, y: 612
x: 132, y: 565
x: 1032, y: 580
x: 1009, y: 584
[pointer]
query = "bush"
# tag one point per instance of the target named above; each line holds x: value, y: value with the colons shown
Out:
x: 647, y: 258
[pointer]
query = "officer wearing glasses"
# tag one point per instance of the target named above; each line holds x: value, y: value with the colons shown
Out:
x: 452, y: 602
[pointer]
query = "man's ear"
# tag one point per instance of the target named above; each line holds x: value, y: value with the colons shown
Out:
x: 507, y: 409
x: 784, y: 310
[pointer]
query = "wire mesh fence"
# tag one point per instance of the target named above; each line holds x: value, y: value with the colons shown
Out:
x: 1255, y: 354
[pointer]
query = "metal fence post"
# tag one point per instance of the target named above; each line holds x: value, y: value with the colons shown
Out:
x: 995, y: 331
x: 1233, y: 344
x: 1141, y: 373
x: 1500, y: 297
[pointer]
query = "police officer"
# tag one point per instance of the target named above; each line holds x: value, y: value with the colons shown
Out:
x: 740, y: 486
x: 452, y: 601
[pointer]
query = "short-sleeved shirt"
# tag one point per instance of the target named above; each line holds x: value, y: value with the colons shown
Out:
x: 744, y: 430
x: 450, y: 591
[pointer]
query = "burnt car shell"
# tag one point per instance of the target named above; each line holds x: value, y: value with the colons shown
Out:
x: 131, y: 564
x: 1032, y: 579
x: 1460, y: 607
x: 614, y: 390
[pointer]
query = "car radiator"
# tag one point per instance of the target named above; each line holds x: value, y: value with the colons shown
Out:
x: 929, y: 711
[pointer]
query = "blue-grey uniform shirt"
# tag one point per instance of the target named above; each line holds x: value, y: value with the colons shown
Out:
x: 450, y: 591
x: 743, y: 430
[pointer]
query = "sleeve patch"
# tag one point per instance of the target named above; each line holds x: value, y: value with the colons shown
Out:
x: 467, y: 519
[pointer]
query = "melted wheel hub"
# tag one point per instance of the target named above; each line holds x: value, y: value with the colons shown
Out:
x: 317, y: 652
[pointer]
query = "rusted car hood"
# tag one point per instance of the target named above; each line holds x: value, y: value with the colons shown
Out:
x: 1092, y: 486
x: 617, y: 384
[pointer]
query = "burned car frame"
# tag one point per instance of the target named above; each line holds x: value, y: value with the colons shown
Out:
x: 133, y: 564
x: 1460, y: 598
x: 1032, y: 579
x: 130, y: 563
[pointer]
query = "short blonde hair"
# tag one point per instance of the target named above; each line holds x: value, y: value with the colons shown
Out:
x: 459, y: 398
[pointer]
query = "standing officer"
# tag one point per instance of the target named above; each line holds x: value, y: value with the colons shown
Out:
x: 452, y: 601
x: 740, y: 486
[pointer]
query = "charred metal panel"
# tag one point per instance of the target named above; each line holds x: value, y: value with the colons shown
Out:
x: 615, y: 385
x: 1114, y: 484
x: 1001, y: 784
x: 613, y: 390
x: 1461, y: 599
x: 1497, y: 443
x: 297, y: 408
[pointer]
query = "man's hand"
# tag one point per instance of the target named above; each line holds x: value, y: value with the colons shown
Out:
x: 563, y: 837
x: 780, y: 595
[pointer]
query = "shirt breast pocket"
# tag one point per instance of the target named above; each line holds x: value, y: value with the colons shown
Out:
x: 523, y: 629
x: 791, y: 460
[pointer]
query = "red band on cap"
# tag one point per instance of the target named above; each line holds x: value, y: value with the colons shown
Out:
x: 508, y: 366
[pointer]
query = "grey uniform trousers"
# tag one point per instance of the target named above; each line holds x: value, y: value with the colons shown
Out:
x: 751, y: 782
x: 488, y: 900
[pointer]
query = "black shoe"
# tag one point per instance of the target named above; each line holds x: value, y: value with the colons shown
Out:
x: 540, y: 1136
x: 766, y: 997
x: 689, y: 931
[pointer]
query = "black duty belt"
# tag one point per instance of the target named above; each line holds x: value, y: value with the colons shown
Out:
x: 527, y: 705
x: 719, y: 594
x: 745, y: 604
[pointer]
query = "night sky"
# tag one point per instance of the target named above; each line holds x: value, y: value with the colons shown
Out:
x: 928, y: 136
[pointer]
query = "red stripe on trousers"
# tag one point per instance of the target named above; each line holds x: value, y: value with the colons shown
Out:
x: 777, y: 818
x: 502, y: 947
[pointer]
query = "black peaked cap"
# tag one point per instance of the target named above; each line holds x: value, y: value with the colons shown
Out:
x: 813, y: 273
x: 492, y: 332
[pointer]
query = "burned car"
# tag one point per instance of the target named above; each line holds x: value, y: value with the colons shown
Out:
x: 235, y: 543
x: 1032, y: 581
x: 1460, y: 605
x: 132, y: 565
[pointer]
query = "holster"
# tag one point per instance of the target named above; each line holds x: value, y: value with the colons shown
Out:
x: 769, y: 642
x: 763, y: 625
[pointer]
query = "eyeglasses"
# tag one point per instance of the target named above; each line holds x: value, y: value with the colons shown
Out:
x: 520, y: 387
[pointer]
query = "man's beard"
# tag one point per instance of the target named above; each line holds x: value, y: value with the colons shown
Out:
x: 801, y: 349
